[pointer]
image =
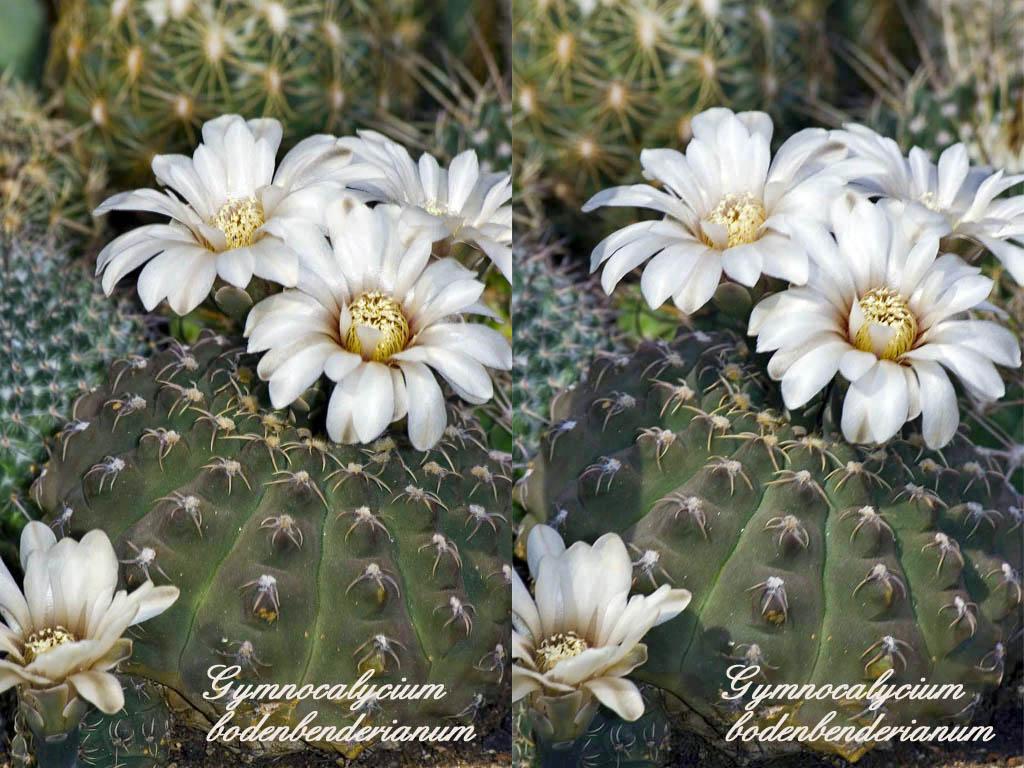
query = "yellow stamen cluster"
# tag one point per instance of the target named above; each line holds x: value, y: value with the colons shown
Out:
x: 43, y: 640
x: 885, y: 307
x: 381, y: 312
x: 564, y: 645
x: 239, y: 220
x: 741, y: 215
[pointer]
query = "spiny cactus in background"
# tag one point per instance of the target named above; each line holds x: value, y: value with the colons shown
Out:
x: 23, y: 38
x: 141, y: 77
x: 969, y: 88
x: 818, y: 561
x: 467, y: 113
x: 58, y: 334
x: 610, y: 742
x: 595, y: 82
x: 560, y: 324
x: 135, y: 737
x: 46, y: 183
x: 299, y: 560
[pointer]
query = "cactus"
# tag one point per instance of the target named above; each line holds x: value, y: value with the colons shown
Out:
x: 135, y: 737
x: 970, y: 87
x: 46, y: 183
x: 466, y: 112
x: 818, y: 561
x: 610, y: 742
x: 299, y: 560
x: 596, y: 82
x: 141, y: 77
x: 58, y: 333
x: 559, y: 326
x: 23, y: 38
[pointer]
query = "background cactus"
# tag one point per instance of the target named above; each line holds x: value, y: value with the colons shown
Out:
x: 135, y: 737
x: 300, y: 560
x: 47, y: 185
x: 23, y: 38
x: 962, y: 81
x: 596, y: 82
x: 560, y: 325
x: 821, y: 562
x: 141, y: 77
x: 58, y: 333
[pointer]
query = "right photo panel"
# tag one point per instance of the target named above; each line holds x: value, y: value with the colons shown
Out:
x: 767, y: 396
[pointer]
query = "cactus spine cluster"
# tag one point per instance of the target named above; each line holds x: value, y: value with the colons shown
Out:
x: 141, y: 77
x: 47, y: 184
x: 58, y: 333
x: 299, y: 560
x: 560, y: 326
x: 818, y: 561
x: 596, y: 82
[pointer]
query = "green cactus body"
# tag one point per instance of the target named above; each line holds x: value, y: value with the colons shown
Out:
x: 46, y: 183
x: 136, y: 737
x: 143, y: 76
x: 58, y: 333
x: 23, y: 38
x: 559, y: 327
x: 298, y: 560
x: 609, y: 742
x: 596, y: 82
x: 819, y: 562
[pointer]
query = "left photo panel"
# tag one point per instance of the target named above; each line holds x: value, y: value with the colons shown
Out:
x: 256, y: 451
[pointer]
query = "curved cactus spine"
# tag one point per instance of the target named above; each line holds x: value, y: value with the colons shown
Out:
x: 818, y: 561
x: 58, y: 333
x: 298, y: 560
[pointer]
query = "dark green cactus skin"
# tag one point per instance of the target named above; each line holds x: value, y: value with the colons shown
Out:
x: 945, y: 527
x: 610, y: 742
x: 58, y: 334
x: 180, y: 461
x: 136, y: 737
x: 560, y: 325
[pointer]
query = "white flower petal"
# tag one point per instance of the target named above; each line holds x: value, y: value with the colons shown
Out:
x: 620, y: 695
x: 427, y: 417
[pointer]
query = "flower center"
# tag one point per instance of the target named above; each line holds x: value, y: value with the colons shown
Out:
x: 741, y: 215
x: 889, y: 328
x: 44, y: 640
x: 239, y: 220
x: 567, y: 645
x: 379, y: 328
x: 435, y: 208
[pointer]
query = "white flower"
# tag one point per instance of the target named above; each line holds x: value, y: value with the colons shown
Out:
x: 235, y: 217
x: 727, y: 205
x: 459, y: 202
x: 882, y: 307
x: 958, y: 199
x: 67, y: 627
x: 581, y: 630
x: 379, y: 320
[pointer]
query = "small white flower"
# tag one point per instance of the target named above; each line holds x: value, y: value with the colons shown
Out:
x: 581, y: 630
x: 728, y: 207
x: 235, y: 217
x: 67, y: 627
x: 882, y: 307
x: 459, y: 202
x: 376, y: 317
x: 958, y: 199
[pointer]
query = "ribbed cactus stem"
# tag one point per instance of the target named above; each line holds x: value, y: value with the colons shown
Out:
x: 55, y: 719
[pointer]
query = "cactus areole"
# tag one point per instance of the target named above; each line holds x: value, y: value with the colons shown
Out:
x: 299, y: 561
x: 811, y: 559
